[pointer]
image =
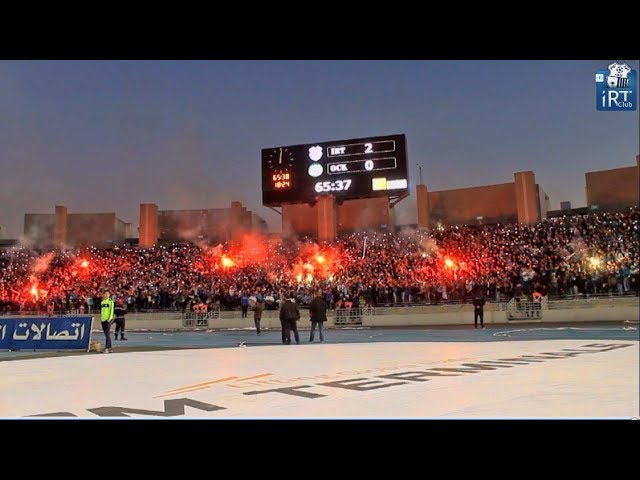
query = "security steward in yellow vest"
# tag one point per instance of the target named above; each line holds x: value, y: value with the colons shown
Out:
x: 106, y: 317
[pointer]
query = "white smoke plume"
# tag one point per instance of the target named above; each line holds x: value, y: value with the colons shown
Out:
x: 42, y: 263
x: 429, y: 247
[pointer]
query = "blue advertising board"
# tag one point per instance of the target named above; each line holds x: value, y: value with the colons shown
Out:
x: 45, y: 333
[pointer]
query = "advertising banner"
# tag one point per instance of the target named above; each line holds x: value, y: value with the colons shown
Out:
x: 45, y: 333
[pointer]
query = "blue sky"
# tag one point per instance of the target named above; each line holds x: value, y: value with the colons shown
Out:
x: 102, y: 136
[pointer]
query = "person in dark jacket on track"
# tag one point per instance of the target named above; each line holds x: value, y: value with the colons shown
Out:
x: 257, y: 312
x: 317, y: 315
x: 478, y: 308
x: 120, y: 312
x: 289, y: 316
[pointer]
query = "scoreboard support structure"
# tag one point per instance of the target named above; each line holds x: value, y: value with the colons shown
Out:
x: 327, y: 218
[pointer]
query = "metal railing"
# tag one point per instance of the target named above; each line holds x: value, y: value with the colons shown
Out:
x: 197, y: 319
x: 350, y: 316
x: 594, y: 302
x: 524, y: 309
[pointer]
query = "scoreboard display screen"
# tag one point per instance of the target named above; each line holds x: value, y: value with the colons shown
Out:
x: 356, y: 168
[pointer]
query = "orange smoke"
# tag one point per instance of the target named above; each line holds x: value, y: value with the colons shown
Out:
x: 251, y: 250
x: 315, y: 262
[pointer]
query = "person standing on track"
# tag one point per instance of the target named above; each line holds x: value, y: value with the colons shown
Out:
x: 120, y: 312
x: 244, y: 304
x: 317, y: 315
x: 106, y: 316
x: 289, y: 316
x: 478, y: 308
x: 257, y: 312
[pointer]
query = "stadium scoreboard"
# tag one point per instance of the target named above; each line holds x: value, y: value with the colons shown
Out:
x: 356, y: 168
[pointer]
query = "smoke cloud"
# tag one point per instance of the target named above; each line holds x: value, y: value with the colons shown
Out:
x: 41, y: 264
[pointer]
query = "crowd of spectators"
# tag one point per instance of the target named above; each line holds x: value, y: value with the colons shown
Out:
x: 559, y: 257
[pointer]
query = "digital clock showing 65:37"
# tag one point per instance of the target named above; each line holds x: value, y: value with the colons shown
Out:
x: 282, y: 181
x: 337, y: 186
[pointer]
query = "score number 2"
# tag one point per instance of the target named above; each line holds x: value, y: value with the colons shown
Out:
x: 337, y: 186
x: 368, y: 147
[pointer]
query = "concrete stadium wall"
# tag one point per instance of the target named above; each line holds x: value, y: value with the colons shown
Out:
x: 465, y: 317
x: 602, y: 311
x: 464, y: 205
x: 364, y: 214
x: 183, y: 225
x: 80, y: 229
x: 97, y: 229
x: 353, y: 215
x: 613, y: 188
x: 149, y: 232
x: 227, y: 320
x: 122, y: 230
x: 300, y: 219
x: 543, y: 201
